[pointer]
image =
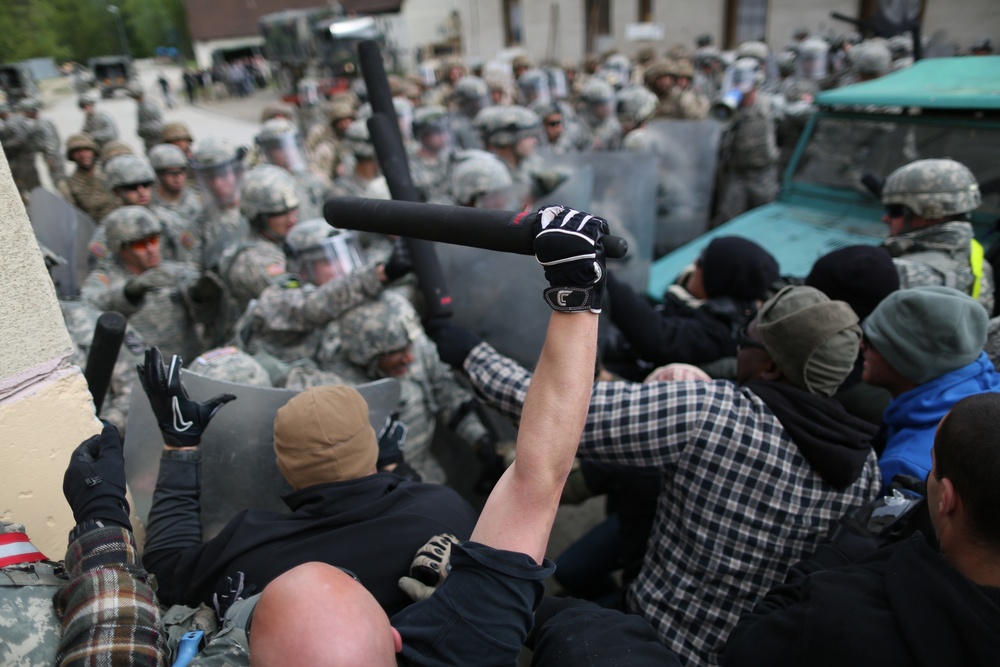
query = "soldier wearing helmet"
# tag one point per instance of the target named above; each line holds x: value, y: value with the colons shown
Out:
x: 383, y: 338
x: 131, y: 179
x: 85, y: 188
x: 636, y: 105
x: 114, y: 148
x: 162, y: 299
x: 431, y: 159
x: 15, y: 137
x: 562, y: 131
x: 708, y: 71
x: 521, y: 64
x: 512, y: 134
x: 928, y: 204
x: 44, y: 139
x: 96, y: 122
x: 172, y: 191
x: 533, y: 86
x: 269, y: 201
x: 597, y: 117
x: 218, y: 168
x: 476, y: 179
x: 871, y: 60
x: 471, y: 95
x: 328, y: 158
x: 358, y: 142
x: 178, y: 134
x: 279, y: 144
x: 149, y: 116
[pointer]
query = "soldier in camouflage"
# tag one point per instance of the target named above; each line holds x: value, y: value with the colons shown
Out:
x: 562, y: 133
x: 363, y: 181
x: 15, y: 137
x: 328, y: 157
x: 149, y: 116
x: 431, y: 159
x: 597, y: 117
x: 382, y: 339
x: 231, y: 364
x: 85, y: 188
x: 131, y: 179
x: 927, y: 207
x: 471, y: 95
x: 278, y: 144
x: 178, y: 134
x: 162, y: 299
x: 172, y: 191
x: 475, y: 176
x: 97, y: 123
x: 512, y: 134
x: 44, y: 139
x: 270, y: 203
x: 708, y: 69
x: 115, y: 148
x: 218, y: 169
x: 636, y: 106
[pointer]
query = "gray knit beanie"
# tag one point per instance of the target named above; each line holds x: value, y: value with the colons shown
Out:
x: 925, y: 332
x: 813, y: 340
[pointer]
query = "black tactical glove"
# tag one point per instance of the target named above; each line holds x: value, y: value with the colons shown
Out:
x: 391, y: 438
x: 429, y: 568
x: 181, y: 420
x: 567, y: 244
x: 153, y: 279
x: 454, y: 342
x: 207, y: 289
x: 230, y: 591
x: 94, y: 482
x: 400, y: 262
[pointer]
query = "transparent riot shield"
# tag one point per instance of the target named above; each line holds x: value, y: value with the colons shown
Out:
x: 66, y: 231
x: 238, y: 469
x: 623, y: 191
x: 688, y: 152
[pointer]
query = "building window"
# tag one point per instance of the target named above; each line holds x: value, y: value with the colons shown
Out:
x: 751, y: 20
x: 598, y: 22
x: 513, y: 20
x: 645, y: 11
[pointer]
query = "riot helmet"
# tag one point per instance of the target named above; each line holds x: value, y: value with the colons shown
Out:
x: 129, y: 224
x: 218, y: 168
x: 477, y: 173
x: 125, y: 172
x: 167, y: 156
x: 813, y: 58
x: 279, y: 144
x: 431, y: 128
x: 534, y: 86
x: 934, y: 189
x: 599, y: 98
x: 359, y: 141
x: 267, y: 191
x: 636, y: 105
x: 320, y: 253
x: 472, y: 95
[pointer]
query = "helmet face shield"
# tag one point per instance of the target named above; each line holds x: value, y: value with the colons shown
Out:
x: 283, y: 151
x: 334, y: 257
x: 221, y: 184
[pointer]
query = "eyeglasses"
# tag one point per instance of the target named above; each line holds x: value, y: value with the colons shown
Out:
x: 553, y: 123
x: 745, y: 340
x: 132, y: 187
x: 895, y: 210
x: 143, y: 244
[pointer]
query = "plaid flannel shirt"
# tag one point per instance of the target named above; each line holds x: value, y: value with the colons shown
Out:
x: 107, y: 609
x: 738, y: 506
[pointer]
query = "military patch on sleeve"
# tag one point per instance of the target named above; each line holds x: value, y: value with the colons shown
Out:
x: 275, y: 269
x: 98, y: 249
x: 187, y: 239
x: 103, y: 277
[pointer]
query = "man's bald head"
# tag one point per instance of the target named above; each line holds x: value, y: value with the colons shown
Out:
x: 316, y: 615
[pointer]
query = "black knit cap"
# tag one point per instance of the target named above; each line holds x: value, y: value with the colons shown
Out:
x: 861, y: 275
x: 738, y: 268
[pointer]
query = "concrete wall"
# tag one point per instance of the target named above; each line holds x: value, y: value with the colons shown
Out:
x: 45, y: 408
x: 784, y: 16
x: 964, y: 21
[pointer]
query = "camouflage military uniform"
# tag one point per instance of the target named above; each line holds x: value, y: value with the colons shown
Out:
x: 179, y: 242
x: 187, y: 208
x: 15, y: 136
x: 165, y: 317
x: 231, y: 365
x: 100, y: 126
x: 430, y: 175
x: 429, y: 389
x: 940, y: 255
x: 87, y: 192
x: 44, y: 139
x: 219, y: 230
x: 81, y: 320
x: 751, y: 179
x: 29, y: 628
x: 349, y: 185
x: 312, y: 195
x: 248, y: 268
x: 149, y: 122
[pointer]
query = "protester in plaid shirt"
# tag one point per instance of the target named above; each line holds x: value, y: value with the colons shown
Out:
x: 754, y: 475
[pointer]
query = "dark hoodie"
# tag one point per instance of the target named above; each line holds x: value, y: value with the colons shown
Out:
x: 903, y: 605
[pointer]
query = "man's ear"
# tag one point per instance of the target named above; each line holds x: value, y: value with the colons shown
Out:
x: 771, y: 371
x: 948, y: 500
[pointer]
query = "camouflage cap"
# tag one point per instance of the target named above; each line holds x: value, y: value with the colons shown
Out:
x: 341, y: 110
x: 681, y: 67
x: 872, y: 58
x: 476, y: 173
x: 655, y: 71
x: 212, y: 152
x: 636, y: 104
x: 505, y: 125
x: 231, y: 365
x: 276, y: 110
x: 705, y: 55
x: 358, y: 141
x: 471, y: 88
x: 129, y: 223
x: 267, y: 190
x: 29, y: 104
x: 933, y: 189
x: 371, y: 330
x: 753, y: 49
x: 176, y: 131
x: 89, y: 97
x: 522, y: 60
x: 429, y: 118
x: 127, y: 170
x: 596, y: 91
x: 167, y: 156
x: 646, y: 54
x: 78, y: 141
x: 115, y: 148
x: 275, y: 129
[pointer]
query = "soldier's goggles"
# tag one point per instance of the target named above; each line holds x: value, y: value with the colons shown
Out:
x: 148, y: 242
x: 132, y: 187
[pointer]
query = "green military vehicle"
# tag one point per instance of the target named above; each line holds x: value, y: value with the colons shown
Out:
x: 941, y: 107
x: 111, y: 73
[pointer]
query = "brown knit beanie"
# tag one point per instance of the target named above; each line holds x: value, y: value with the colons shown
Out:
x: 323, y: 435
x: 813, y: 340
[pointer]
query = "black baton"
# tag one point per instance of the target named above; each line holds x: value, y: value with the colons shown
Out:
x: 108, y: 336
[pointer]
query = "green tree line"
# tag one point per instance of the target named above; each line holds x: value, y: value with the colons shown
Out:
x: 81, y: 29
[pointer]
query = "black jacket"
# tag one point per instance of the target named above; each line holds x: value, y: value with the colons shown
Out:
x: 371, y: 526
x: 902, y: 605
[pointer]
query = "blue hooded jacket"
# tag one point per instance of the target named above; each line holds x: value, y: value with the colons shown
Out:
x: 912, y: 417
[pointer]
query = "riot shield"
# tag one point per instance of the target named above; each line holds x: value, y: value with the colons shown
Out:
x: 623, y: 191
x: 688, y: 151
x: 237, y: 467
x: 66, y: 231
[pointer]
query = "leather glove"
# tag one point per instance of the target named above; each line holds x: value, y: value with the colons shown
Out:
x: 454, y: 342
x: 181, y: 420
x: 400, y: 262
x: 567, y: 244
x: 429, y: 568
x: 391, y: 438
x: 153, y: 279
x: 207, y: 289
x: 94, y: 482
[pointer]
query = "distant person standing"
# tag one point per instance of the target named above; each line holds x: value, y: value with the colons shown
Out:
x: 191, y: 83
x: 168, y: 97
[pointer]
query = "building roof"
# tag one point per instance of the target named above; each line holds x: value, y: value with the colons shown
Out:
x: 967, y: 82
x: 223, y: 19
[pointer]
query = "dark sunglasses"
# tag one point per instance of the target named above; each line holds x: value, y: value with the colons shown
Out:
x: 132, y: 187
x: 554, y: 123
x: 745, y: 340
x: 895, y: 210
